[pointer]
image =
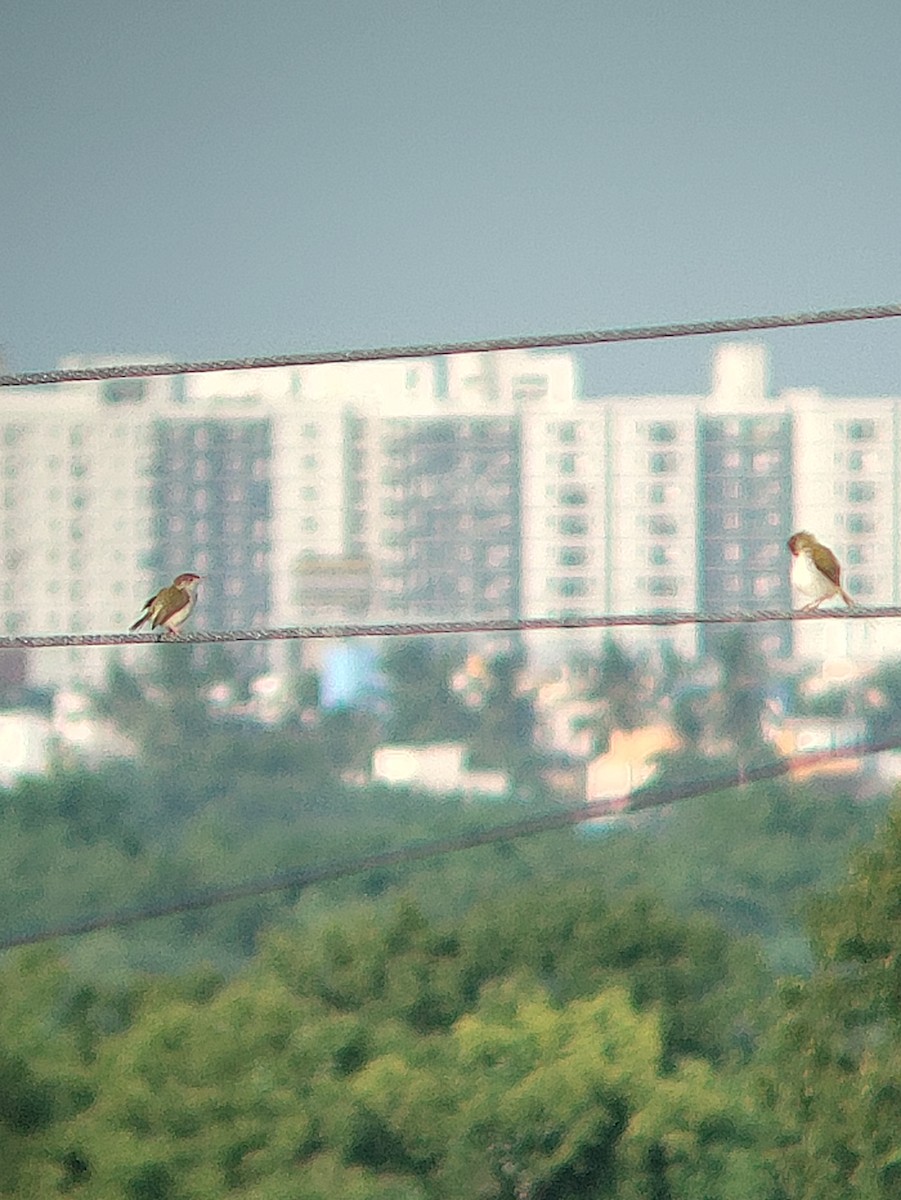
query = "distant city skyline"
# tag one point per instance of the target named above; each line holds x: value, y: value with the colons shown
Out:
x: 487, y: 489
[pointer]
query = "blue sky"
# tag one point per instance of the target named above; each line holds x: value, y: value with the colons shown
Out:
x: 209, y: 179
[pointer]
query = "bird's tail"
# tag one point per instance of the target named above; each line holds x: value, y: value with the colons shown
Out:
x: 847, y: 599
x: 137, y: 625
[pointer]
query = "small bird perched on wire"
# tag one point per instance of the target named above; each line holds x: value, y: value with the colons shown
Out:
x: 171, y: 606
x: 815, y: 571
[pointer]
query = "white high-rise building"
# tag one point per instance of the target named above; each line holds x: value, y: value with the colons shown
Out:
x: 474, y: 486
x: 847, y: 486
x: 74, y: 535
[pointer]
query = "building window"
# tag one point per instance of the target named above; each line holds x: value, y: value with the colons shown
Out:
x: 861, y: 585
x: 662, y: 585
x: 570, y: 587
x: 765, y: 461
x: 124, y: 391
x: 657, y: 556
x: 567, y: 431
x: 12, y: 434
x: 860, y: 493
x: 567, y: 464
x: 662, y: 431
x: 731, y: 461
x: 861, y: 431
x: 859, y: 523
x: 662, y: 463
x: 855, y: 556
x: 657, y: 493
x: 662, y: 526
x: 732, y: 552
x: 573, y: 526
x: 574, y: 496
x: 572, y: 556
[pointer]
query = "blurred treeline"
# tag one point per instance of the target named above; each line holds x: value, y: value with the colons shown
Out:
x: 665, y: 1012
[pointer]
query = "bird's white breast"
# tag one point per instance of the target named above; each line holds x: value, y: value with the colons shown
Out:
x: 808, y: 578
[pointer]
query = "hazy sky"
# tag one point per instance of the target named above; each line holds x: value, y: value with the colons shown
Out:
x: 209, y: 179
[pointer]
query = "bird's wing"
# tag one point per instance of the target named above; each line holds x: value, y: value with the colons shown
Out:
x: 167, y: 603
x: 826, y: 562
x: 145, y: 613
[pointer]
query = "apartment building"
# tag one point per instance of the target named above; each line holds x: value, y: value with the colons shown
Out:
x: 745, y: 500
x: 652, y: 560
x: 74, y: 535
x: 847, y: 481
x: 477, y: 486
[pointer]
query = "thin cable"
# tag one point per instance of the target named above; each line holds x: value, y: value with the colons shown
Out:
x: 304, y: 877
x: 547, y: 341
x: 430, y: 628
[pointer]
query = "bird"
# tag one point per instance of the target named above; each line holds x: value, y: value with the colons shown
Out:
x: 171, y: 606
x: 815, y: 570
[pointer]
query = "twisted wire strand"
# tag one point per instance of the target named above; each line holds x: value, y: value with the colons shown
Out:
x: 305, y: 877
x: 430, y: 628
x: 545, y: 341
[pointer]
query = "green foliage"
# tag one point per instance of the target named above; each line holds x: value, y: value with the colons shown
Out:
x: 547, y: 1019
x: 390, y: 1059
x: 747, y: 857
x: 502, y: 737
x: 830, y: 1066
x: 422, y: 705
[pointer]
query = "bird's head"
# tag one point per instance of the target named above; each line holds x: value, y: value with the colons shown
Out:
x: 188, y: 581
x: 798, y: 542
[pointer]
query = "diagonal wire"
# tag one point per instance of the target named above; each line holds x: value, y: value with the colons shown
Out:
x: 304, y: 877
x: 545, y: 341
x: 430, y: 628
